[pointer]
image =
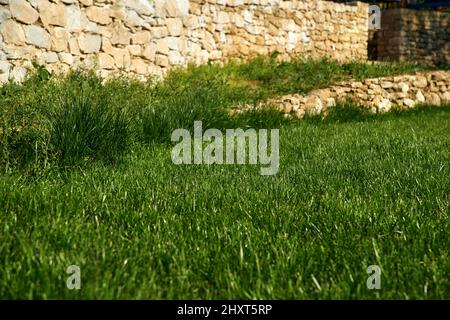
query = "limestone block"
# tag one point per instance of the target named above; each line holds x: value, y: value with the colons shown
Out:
x: 89, y: 43
x: 52, y: 14
x: 98, y: 15
x: 120, y: 35
x: 22, y: 11
x: 121, y: 57
x: 66, y: 58
x: 140, y: 37
x: 48, y: 57
x: 105, y: 61
x: 139, y: 66
x: 59, y: 39
x: 161, y: 60
x: 37, y: 36
x: 12, y: 32
x: 174, y: 26
x: 74, y: 48
x: 162, y: 47
x: 149, y: 52
x: 135, y: 50
x: 141, y: 7
x: 5, y: 14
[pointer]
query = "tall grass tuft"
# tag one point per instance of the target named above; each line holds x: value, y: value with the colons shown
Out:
x: 85, y: 127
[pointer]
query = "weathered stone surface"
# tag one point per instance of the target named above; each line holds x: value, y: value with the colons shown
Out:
x: 91, y: 27
x: 171, y: 8
x: 98, y: 15
x: 139, y: 66
x: 120, y: 35
x: 132, y: 19
x: 74, y: 48
x: 166, y: 33
x: 105, y: 61
x: 140, y: 37
x: 60, y: 39
x: 159, y: 32
x: 404, y: 87
x: 122, y: 58
x: 414, y: 35
x: 12, y: 32
x: 313, y: 105
x: 149, y: 52
x: 175, y: 58
x: 387, y: 84
x: 174, y: 26
x: 84, y: 2
x: 161, y: 60
x: 48, y: 57
x: 22, y: 11
x: 5, y: 14
x: 420, y: 82
x: 66, y: 58
x: 433, y: 99
x: 378, y: 95
x: 162, y: 47
x: 37, y: 36
x: 107, y: 46
x: 52, y: 14
x: 141, y: 7
x: 135, y: 50
x: 384, y: 105
x: 89, y: 43
x: 446, y: 96
x: 419, y: 96
x: 73, y: 16
x: 409, y: 102
x: 173, y: 43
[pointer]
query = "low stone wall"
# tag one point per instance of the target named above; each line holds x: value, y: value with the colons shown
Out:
x: 147, y: 37
x: 414, y: 35
x: 378, y: 94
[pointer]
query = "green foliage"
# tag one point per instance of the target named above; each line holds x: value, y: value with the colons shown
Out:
x: 86, y: 126
x: 348, y: 195
x: 353, y: 190
x: 79, y: 118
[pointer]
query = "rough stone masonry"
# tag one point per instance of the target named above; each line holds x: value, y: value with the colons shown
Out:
x: 147, y: 37
x: 414, y: 35
x: 379, y: 94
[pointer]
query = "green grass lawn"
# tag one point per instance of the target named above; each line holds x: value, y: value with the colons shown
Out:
x: 352, y: 190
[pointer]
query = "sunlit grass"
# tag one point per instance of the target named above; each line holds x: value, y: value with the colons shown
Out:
x: 352, y: 190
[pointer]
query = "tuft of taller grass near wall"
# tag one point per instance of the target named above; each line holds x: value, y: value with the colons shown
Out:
x: 85, y: 126
x: 67, y: 121
x: 24, y: 129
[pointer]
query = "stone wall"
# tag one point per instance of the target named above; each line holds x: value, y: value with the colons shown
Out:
x: 379, y: 95
x: 414, y: 35
x: 146, y: 37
